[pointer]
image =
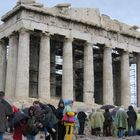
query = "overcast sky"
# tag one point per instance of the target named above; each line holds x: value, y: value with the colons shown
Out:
x: 127, y: 11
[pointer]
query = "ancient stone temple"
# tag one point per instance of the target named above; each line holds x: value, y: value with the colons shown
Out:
x: 73, y: 53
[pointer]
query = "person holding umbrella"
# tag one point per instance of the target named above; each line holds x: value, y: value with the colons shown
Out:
x: 5, y: 110
x: 108, y: 120
x: 107, y: 123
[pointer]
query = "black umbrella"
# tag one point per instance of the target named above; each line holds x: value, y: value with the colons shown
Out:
x: 107, y: 107
x: 19, y: 116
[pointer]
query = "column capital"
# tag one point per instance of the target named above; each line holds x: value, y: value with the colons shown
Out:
x: 47, y: 34
x: 107, y: 47
x: 14, y: 34
x: 124, y: 53
x: 23, y: 31
x: 1, y: 41
x: 89, y: 44
x: 68, y: 39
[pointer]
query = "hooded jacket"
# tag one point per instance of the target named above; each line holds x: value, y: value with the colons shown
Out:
x: 59, y: 111
x: 3, y: 114
x: 132, y: 116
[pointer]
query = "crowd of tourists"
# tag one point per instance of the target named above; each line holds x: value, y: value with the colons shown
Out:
x: 55, y: 123
x: 118, y: 122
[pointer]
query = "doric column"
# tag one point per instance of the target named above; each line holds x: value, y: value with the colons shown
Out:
x: 44, y: 68
x: 11, y: 67
x: 67, y: 74
x: 107, y: 76
x: 22, y: 79
x: 125, y: 80
x: 88, y: 74
x: 2, y: 64
x: 138, y: 80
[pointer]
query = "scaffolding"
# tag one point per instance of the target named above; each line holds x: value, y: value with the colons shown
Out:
x: 133, y: 84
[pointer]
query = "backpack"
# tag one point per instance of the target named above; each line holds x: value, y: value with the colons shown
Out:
x: 32, y: 126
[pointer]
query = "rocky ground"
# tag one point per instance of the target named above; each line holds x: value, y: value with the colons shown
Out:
x: 9, y: 137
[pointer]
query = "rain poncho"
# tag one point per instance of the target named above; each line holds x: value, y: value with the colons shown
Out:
x: 121, y: 118
x: 68, y: 107
x: 96, y: 120
x: 138, y: 122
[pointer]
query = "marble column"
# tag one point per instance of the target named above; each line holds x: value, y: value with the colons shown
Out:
x: 44, y: 68
x: 138, y: 80
x: 88, y: 74
x: 125, y: 80
x: 22, y: 78
x: 107, y: 76
x: 67, y: 74
x: 11, y: 67
x: 3, y: 52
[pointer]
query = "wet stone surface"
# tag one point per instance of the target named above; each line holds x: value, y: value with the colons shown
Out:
x: 85, y: 137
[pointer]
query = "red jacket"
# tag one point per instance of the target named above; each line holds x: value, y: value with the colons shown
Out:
x: 17, y: 135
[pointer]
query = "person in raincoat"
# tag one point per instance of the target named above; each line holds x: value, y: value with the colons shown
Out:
x: 60, y: 125
x: 114, y: 123
x: 121, y: 117
x: 69, y: 119
x: 138, y: 123
x: 68, y: 107
x: 132, y: 118
x: 96, y: 120
x: 5, y: 110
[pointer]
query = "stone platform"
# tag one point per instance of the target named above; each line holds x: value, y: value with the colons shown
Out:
x: 86, y: 137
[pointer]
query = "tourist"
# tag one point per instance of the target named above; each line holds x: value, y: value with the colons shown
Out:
x: 17, y: 133
x: 69, y: 119
x: 47, y: 119
x: 114, y: 123
x: 32, y: 124
x: 132, y: 118
x: 50, y: 124
x: 5, y: 110
x: 107, y: 123
x: 121, y: 117
x: 96, y: 120
x: 81, y: 118
x: 68, y: 106
x: 138, y: 123
x: 61, y: 127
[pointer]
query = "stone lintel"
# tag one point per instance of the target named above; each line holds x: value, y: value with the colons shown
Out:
x: 63, y: 5
x: 26, y: 1
x: 106, y: 23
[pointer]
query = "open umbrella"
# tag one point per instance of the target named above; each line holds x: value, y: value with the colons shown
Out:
x: 107, y: 107
x: 19, y: 116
